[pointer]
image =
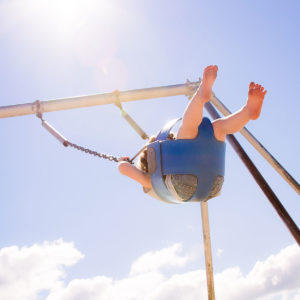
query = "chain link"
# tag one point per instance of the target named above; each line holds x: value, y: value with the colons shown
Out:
x: 100, y: 155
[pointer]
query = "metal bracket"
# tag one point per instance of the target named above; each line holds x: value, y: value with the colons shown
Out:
x: 192, y: 88
x: 38, y: 111
x: 116, y: 94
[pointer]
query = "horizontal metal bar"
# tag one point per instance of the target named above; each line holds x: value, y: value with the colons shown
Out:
x: 186, y: 89
x: 98, y: 99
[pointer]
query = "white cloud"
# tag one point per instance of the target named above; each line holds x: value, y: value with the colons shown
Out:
x: 220, y: 252
x: 104, y: 288
x: 278, y: 273
x: 154, y: 261
x: 24, y: 272
x: 297, y: 297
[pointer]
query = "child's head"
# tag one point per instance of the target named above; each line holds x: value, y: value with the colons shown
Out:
x: 143, y: 162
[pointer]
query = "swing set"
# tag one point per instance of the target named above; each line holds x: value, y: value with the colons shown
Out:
x: 173, y: 157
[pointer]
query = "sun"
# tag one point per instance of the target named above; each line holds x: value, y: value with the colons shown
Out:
x: 69, y: 14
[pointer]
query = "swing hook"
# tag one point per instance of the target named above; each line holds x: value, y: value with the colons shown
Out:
x: 48, y: 127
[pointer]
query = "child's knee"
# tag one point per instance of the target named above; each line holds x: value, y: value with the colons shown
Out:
x: 187, y: 132
x: 219, y: 132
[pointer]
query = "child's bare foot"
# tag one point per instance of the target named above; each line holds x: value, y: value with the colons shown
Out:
x: 255, y: 100
x: 209, y: 77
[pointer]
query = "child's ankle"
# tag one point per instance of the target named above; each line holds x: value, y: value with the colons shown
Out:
x: 247, y: 112
x: 201, y: 97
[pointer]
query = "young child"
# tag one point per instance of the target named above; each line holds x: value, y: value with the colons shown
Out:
x: 182, y: 187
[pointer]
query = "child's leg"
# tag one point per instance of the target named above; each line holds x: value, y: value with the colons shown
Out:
x: 251, y: 111
x: 192, y: 116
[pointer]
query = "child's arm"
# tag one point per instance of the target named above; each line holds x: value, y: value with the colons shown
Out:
x: 134, y: 173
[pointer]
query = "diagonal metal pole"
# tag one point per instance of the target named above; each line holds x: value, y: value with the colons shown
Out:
x: 260, y: 148
x: 281, y: 211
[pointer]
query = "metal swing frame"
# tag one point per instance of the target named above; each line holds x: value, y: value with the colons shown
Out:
x: 187, y: 89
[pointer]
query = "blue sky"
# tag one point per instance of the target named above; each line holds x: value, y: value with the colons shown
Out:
x: 55, y: 49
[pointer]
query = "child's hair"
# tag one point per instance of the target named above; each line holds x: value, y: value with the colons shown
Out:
x: 143, y: 162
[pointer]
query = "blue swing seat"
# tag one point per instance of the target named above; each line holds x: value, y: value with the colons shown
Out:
x: 203, y: 157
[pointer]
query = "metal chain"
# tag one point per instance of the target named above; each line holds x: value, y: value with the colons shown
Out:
x: 100, y: 155
x: 66, y: 143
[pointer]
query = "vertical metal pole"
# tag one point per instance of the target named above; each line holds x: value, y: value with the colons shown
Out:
x: 207, y: 252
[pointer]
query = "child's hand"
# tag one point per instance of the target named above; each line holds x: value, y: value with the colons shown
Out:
x: 124, y: 158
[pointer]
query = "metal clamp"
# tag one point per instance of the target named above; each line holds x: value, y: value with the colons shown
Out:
x: 116, y: 94
x: 39, y: 113
x: 192, y: 87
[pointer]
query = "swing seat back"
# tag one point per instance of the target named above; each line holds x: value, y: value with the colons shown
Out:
x: 203, y: 157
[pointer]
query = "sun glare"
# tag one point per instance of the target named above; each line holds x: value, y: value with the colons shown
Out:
x: 64, y: 25
x: 87, y: 32
x: 67, y: 14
